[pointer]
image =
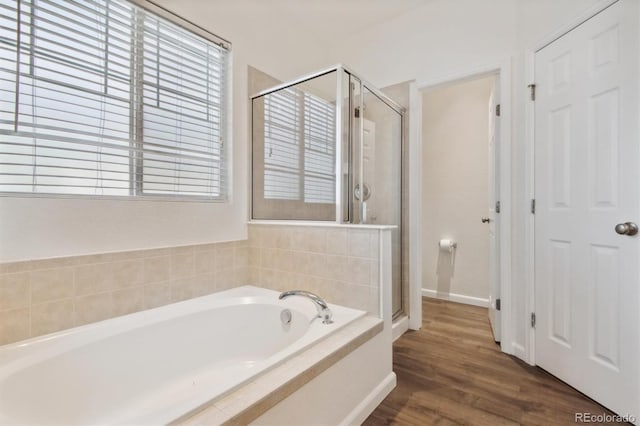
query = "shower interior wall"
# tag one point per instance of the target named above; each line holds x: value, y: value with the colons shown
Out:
x: 401, y: 93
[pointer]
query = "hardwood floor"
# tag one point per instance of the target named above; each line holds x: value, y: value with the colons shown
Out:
x: 452, y: 372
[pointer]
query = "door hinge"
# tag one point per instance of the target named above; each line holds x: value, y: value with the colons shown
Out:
x: 532, y: 88
x: 498, y: 304
x: 533, y: 320
x: 357, y: 112
x: 497, y: 206
x: 498, y: 110
x: 533, y: 206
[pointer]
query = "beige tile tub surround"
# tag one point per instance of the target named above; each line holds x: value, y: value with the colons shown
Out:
x: 43, y: 296
x: 339, y: 263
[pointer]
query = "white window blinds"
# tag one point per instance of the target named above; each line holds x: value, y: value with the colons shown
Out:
x: 102, y: 97
x: 319, y: 150
x: 299, y: 148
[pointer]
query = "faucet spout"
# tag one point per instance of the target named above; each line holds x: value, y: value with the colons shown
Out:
x: 323, y: 309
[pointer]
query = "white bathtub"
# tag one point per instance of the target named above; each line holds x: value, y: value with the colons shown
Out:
x: 155, y: 366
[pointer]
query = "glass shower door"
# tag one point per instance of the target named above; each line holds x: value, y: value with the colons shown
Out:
x: 376, y: 151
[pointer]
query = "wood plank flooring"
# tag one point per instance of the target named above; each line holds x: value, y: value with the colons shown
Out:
x: 451, y: 372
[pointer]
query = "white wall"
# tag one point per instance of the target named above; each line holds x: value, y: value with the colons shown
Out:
x: 446, y: 37
x: 455, y: 189
x: 33, y: 228
x: 442, y: 37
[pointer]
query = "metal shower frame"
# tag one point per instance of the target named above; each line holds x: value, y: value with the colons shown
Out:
x: 341, y: 69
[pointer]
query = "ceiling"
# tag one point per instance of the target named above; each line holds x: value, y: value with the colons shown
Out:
x: 333, y: 20
x: 324, y: 21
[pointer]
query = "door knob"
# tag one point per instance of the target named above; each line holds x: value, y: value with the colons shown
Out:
x: 485, y: 220
x: 627, y: 228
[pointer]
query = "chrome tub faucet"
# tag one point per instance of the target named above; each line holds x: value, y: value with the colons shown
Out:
x: 323, y: 309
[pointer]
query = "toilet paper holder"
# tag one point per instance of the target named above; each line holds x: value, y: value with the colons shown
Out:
x: 447, y: 245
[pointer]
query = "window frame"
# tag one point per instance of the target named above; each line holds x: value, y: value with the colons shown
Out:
x: 137, y: 192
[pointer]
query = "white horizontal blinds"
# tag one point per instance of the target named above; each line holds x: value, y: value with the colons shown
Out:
x: 282, y: 146
x: 69, y: 132
x: 183, y: 104
x: 73, y: 120
x: 299, y: 148
x: 320, y: 150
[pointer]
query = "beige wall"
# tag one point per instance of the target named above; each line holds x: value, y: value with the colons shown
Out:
x: 455, y: 187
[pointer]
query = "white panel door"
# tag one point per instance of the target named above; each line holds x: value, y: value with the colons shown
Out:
x: 587, y: 181
x: 494, y: 226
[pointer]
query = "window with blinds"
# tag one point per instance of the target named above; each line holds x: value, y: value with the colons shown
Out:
x: 102, y: 97
x: 299, y: 147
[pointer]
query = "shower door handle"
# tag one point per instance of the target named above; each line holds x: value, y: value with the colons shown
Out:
x: 366, y: 193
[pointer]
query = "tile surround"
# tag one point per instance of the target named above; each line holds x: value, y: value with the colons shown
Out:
x: 341, y: 264
x: 43, y: 296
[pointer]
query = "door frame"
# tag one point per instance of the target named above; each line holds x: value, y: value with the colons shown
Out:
x: 530, y: 57
x: 414, y: 237
x: 503, y: 168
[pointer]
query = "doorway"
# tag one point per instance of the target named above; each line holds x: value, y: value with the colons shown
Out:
x: 460, y: 220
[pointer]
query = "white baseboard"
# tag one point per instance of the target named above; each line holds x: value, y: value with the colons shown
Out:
x: 399, y: 327
x: 518, y: 351
x: 371, y: 401
x: 460, y: 298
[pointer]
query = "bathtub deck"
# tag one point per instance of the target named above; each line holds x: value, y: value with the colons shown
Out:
x: 246, y: 404
x: 452, y: 372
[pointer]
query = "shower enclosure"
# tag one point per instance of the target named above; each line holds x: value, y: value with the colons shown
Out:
x: 329, y: 147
